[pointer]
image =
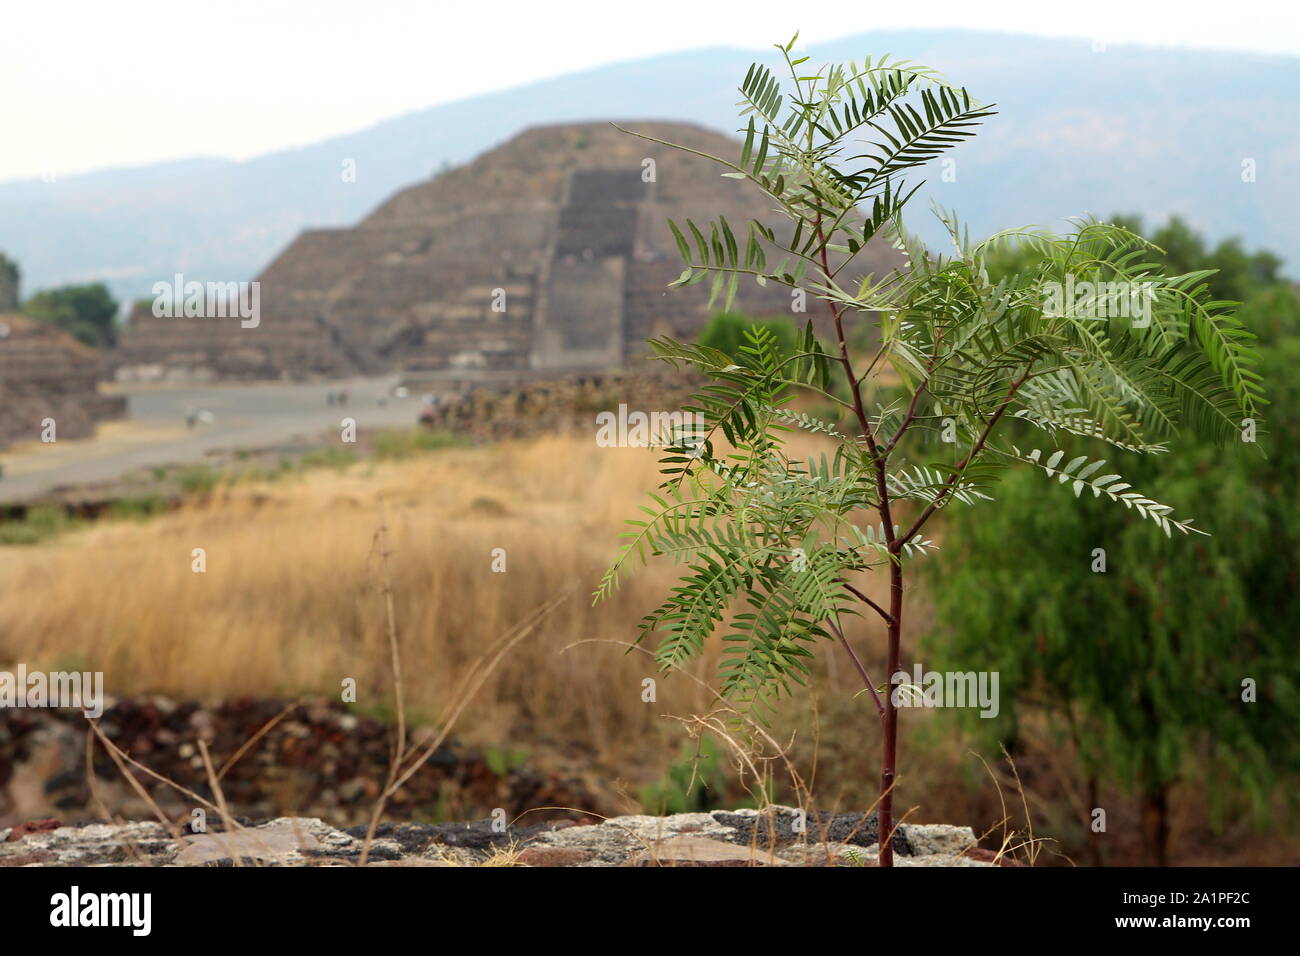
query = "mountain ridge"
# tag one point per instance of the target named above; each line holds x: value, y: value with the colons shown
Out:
x: 1144, y: 129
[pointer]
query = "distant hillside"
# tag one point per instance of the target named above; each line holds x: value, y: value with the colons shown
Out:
x: 1136, y: 129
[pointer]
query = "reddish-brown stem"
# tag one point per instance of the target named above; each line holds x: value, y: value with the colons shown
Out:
x: 889, y: 714
x: 889, y: 753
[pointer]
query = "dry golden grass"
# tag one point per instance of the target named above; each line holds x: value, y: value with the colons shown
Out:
x: 289, y: 602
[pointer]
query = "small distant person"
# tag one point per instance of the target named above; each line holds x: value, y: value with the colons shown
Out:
x: 343, y: 396
x: 329, y: 397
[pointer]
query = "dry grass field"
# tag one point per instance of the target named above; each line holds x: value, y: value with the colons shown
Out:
x: 291, y: 600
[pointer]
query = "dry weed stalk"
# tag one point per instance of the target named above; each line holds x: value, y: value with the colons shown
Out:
x: 474, y: 678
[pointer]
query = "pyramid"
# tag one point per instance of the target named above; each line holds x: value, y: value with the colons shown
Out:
x: 548, y: 255
x: 45, y: 373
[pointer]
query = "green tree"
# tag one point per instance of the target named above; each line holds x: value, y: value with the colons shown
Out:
x: 1179, y: 248
x: 1141, y: 664
x: 86, y: 311
x: 726, y: 332
x: 786, y: 539
x: 9, y: 279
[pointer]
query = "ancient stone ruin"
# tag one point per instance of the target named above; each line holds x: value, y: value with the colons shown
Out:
x: 45, y: 373
x: 546, y: 256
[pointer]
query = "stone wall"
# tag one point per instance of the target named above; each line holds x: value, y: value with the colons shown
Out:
x: 301, y: 782
x: 561, y: 404
x: 718, y: 839
x: 318, y: 760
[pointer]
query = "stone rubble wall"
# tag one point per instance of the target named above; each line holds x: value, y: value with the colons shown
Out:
x: 319, y: 760
x: 556, y: 405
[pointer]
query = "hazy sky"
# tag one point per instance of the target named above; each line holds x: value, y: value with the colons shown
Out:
x: 89, y: 84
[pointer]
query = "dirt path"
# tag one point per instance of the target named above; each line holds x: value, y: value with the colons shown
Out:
x: 155, y: 431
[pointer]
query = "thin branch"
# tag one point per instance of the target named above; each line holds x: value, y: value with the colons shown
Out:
x: 251, y: 741
x: 882, y: 487
x: 888, y: 618
x: 945, y: 492
x: 866, y: 679
x: 837, y: 313
x: 916, y: 396
x: 227, y: 821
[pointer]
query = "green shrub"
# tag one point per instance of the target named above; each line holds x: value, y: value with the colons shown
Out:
x: 695, y: 782
x: 143, y: 506
x: 198, y: 479
x: 39, y: 524
x: 329, y: 457
x: 399, y: 443
x: 726, y: 333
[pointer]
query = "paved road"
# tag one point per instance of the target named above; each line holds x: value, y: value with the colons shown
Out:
x: 155, y: 430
